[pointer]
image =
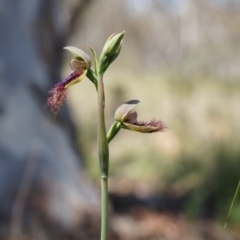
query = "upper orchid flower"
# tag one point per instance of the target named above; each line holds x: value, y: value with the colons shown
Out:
x: 80, y: 65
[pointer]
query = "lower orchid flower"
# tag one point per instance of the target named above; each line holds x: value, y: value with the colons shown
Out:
x: 127, y: 119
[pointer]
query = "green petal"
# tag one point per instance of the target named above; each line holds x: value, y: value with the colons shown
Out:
x: 77, y: 65
x: 95, y: 59
x: 79, y: 54
x: 124, y: 109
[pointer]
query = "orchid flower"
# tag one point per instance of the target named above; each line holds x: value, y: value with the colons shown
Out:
x: 128, y: 119
x: 79, y: 65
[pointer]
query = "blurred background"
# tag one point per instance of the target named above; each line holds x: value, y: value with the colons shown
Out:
x: 181, y: 59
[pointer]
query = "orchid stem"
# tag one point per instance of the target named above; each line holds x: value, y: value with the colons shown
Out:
x: 104, y: 220
x: 103, y: 155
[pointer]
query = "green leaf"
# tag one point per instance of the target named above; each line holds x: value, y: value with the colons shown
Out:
x: 232, y: 204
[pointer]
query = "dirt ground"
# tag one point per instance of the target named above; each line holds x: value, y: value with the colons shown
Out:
x: 148, y: 225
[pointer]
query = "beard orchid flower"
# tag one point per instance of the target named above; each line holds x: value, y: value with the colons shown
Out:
x: 128, y: 119
x: 79, y: 65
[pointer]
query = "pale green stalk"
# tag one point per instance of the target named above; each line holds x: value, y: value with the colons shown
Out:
x: 104, y: 205
x: 103, y: 156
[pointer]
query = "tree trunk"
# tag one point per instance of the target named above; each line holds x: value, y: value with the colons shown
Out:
x: 43, y: 189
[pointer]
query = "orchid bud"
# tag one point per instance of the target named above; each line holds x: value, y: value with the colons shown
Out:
x: 110, y: 51
x: 113, y: 44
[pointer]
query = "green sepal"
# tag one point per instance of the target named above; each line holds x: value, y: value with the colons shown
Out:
x: 122, y: 111
x: 141, y: 129
x: 79, y: 54
x: 96, y: 64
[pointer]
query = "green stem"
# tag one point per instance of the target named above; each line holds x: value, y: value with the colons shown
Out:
x: 104, y: 214
x: 103, y: 156
x: 102, y: 138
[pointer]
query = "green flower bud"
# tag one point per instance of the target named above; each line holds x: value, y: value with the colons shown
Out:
x: 113, y: 44
x: 110, y: 51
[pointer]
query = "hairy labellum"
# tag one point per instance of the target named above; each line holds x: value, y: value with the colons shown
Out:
x: 58, y: 92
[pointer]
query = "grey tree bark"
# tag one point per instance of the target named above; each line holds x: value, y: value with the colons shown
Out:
x: 43, y: 189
